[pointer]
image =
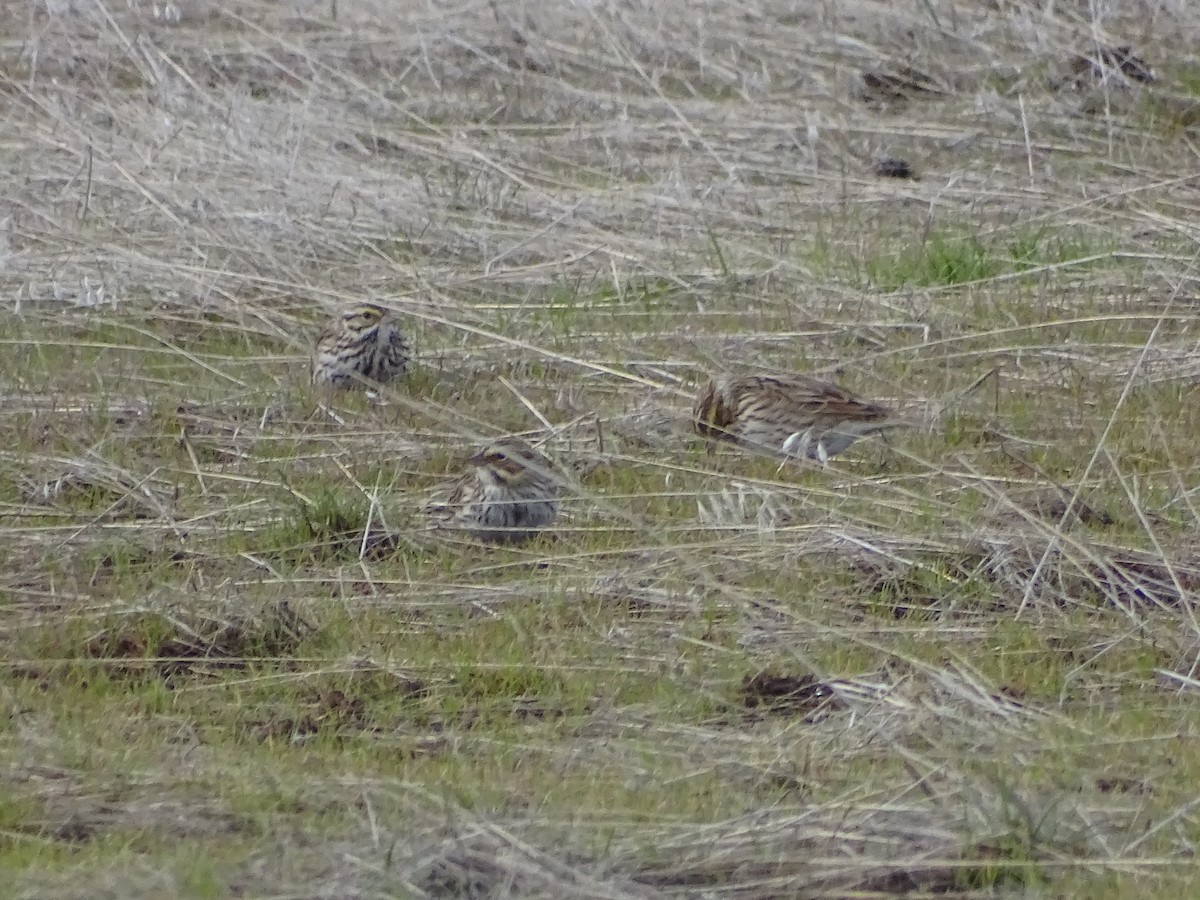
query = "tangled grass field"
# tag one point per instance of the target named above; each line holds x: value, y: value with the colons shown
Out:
x: 960, y: 661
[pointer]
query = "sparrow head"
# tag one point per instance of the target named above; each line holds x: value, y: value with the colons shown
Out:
x: 363, y: 317
x: 711, y: 412
x: 509, y: 461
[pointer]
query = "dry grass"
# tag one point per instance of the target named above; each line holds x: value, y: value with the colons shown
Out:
x: 238, y: 662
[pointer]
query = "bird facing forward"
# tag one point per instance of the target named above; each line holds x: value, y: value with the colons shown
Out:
x: 789, y: 415
x: 363, y: 345
x: 510, y: 494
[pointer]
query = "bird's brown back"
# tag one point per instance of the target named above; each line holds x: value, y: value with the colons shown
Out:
x: 804, y: 398
x: 767, y: 410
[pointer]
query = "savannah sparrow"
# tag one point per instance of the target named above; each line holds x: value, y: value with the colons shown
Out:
x: 792, y: 415
x: 360, y: 346
x: 510, y: 493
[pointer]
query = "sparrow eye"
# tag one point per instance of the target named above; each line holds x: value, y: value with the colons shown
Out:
x: 499, y: 456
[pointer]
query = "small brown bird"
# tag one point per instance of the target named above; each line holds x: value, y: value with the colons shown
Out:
x: 361, y: 346
x: 510, y: 494
x: 789, y: 415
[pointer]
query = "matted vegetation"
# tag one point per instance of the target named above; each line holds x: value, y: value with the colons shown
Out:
x: 237, y: 660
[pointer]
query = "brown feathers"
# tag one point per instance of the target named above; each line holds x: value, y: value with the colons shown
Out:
x: 510, y: 494
x: 360, y: 347
x: 792, y: 415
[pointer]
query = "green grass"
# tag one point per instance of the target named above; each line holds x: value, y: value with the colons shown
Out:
x: 948, y: 257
